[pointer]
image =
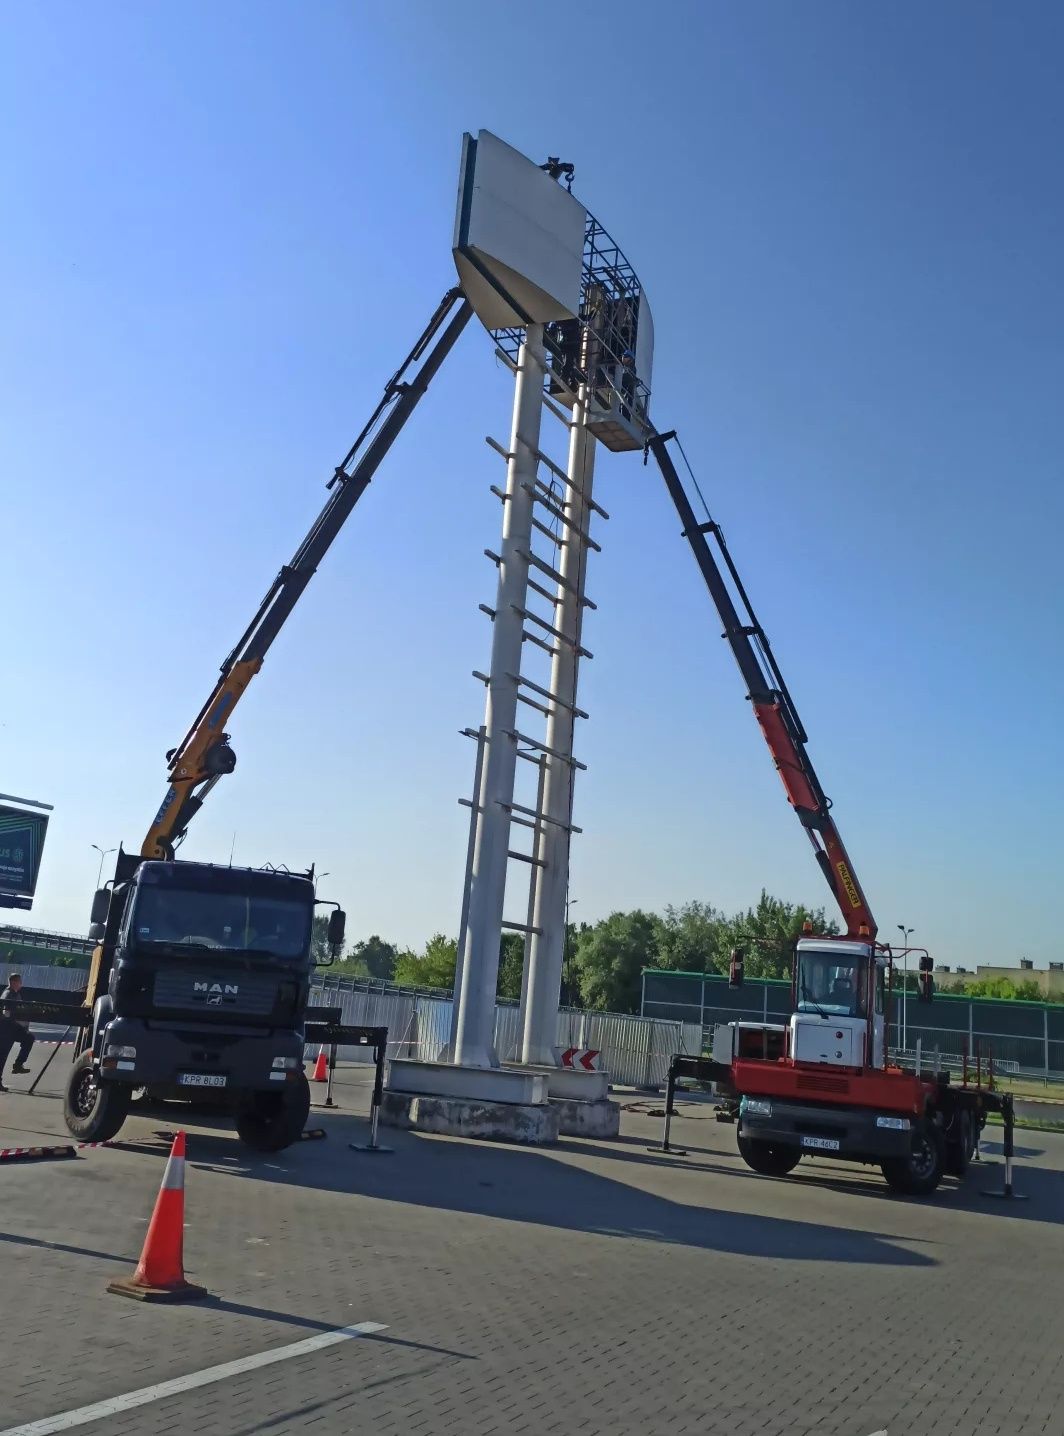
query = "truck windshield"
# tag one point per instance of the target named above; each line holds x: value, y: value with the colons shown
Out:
x: 831, y: 984
x: 218, y: 920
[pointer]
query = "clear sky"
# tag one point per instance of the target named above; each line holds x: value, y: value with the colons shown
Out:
x: 225, y: 224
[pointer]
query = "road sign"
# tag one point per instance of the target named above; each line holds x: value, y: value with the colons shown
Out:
x: 581, y: 1059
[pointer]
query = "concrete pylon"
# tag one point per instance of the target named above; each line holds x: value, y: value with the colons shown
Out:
x: 546, y: 951
x: 473, y: 1019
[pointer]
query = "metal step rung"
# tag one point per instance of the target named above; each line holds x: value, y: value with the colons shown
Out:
x: 520, y: 927
x: 525, y: 858
x: 494, y: 444
x: 521, y: 698
x: 559, y: 414
x: 551, y: 598
x: 531, y: 638
x: 554, y: 632
x: 539, y: 707
x: 553, y: 573
x: 559, y: 473
x: 554, y: 538
x: 489, y: 611
x: 543, y: 692
x: 504, y: 498
x: 557, y: 514
x: 543, y: 748
x: 541, y: 817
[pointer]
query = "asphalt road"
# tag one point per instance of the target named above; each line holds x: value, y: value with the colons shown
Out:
x: 596, y: 1287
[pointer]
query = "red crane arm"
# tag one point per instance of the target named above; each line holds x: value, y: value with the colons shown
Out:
x: 772, y: 704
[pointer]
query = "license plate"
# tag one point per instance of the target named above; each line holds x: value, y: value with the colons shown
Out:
x: 821, y: 1144
x: 200, y: 1079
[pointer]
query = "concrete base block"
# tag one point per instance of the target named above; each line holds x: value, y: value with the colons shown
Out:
x: 587, y: 1119
x: 566, y: 1082
x: 528, y: 1123
x: 478, y: 1084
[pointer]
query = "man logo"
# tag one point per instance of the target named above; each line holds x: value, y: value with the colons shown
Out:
x: 215, y: 992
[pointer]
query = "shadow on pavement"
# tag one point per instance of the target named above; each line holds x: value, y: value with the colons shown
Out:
x: 23, y: 1241
x: 533, y: 1185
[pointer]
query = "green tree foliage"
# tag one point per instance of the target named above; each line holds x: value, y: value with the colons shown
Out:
x: 767, y: 933
x: 511, y: 962
x: 319, y: 939
x: 610, y: 957
x: 375, y: 956
x: 432, y: 968
x: 692, y: 938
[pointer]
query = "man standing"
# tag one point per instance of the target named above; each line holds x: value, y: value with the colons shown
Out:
x: 11, y: 1030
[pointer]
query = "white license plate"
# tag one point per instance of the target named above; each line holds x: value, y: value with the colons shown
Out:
x: 199, y: 1079
x: 821, y: 1144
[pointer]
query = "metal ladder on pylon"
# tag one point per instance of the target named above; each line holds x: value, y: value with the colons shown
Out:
x: 550, y: 603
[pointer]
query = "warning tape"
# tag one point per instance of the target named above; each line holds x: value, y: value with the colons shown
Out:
x: 312, y: 1134
x: 28, y: 1154
x: 82, y: 1145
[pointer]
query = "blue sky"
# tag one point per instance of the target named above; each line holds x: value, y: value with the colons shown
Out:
x: 226, y: 224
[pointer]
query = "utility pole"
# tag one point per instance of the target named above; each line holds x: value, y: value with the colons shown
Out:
x: 906, y: 933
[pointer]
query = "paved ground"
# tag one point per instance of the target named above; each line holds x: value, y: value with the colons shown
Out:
x: 596, y: 1288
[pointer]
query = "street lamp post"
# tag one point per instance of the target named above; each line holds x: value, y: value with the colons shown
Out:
x: 906, y: 933
x: 104, y: 854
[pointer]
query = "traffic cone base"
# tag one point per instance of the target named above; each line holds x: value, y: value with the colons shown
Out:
x: 183, y: 1291
x: 160, y: 1272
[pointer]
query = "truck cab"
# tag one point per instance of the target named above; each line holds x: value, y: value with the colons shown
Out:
x: 199, y: 986
x: 839, y: 1004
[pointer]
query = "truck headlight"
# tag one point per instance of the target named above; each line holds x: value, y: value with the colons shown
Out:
x: 286, y: 1064
x: 111, y: 1050
x: 896, y: 1124
x: 756, y: 1107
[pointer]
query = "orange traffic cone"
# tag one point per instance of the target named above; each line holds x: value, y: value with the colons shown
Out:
x: 160, y: 1274
x: 321, y: 1067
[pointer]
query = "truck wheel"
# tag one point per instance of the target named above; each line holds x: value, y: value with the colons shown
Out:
x: 771, y: 1159
x: 94, y: 1111
x: 918, y: 1174
x: 269, y: 1121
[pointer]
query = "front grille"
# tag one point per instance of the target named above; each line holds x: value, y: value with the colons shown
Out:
x: 837, y: 1086
x: 246, y: 994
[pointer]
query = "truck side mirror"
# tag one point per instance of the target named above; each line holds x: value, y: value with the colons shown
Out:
x: 927, y: 979
x: 735, y: 967
x: 101, y: 902
x: 337, y: 927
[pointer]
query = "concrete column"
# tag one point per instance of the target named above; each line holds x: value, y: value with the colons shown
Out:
x: 546, y: 953
x: 474, y: 1013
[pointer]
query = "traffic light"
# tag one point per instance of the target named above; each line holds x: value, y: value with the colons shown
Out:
x: 927, y: 980
x: 735, y: 967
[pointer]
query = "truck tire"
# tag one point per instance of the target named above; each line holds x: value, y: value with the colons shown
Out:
x: 270, y: 1121
x: 93, y: 1110
x: 918, y: 1174
x: 771, y: 1159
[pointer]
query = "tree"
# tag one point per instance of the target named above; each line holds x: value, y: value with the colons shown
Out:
x: 433, y: 968
x: 376, y: 956
x: 767, y: 933
x: 511, y: 965
x: 690, y: 938
x: 610, y: 958
x: 319, y: 939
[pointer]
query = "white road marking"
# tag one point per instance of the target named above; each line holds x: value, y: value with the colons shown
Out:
x: 117, y: 1404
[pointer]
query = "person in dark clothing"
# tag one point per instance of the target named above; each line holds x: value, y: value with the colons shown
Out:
x: 11, y: 1030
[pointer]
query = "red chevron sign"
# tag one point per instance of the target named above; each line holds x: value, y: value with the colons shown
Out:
x: 581, y: 1058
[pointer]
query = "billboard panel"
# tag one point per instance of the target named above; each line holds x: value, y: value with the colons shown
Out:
x: 21, y: 845
x: 518, y: 236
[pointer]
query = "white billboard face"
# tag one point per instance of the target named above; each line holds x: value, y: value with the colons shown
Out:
x: 518, y: 239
